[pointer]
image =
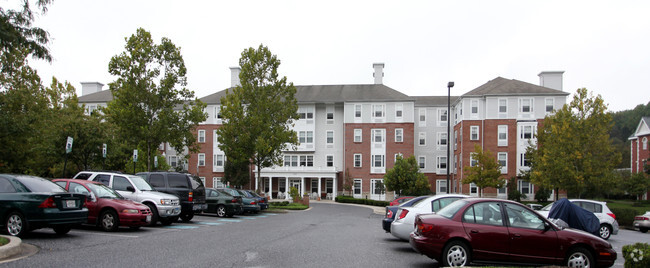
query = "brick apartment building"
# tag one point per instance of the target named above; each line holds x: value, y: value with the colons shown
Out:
x: 361, y: 129
x: 639, y: 148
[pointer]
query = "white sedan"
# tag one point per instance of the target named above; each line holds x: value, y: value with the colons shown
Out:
x: 404, y: 221
x: 608, y: 224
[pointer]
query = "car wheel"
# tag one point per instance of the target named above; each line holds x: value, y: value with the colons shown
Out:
x: 62, y: 229
x: 605, y: 231
x: 109, y: 221
x: 456, y: 254
x: 16, y: 224
x: 643, y: 230
x: 580, y: 257
x: 168, y: 220
x: 221, y: 211
x: 187, y: 217
x: 154, y: 214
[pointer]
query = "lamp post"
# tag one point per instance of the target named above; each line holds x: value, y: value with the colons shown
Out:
x: 449, y: 86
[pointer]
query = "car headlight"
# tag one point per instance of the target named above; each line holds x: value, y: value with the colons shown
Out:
x: 130, y: 211
x: 165, y: 201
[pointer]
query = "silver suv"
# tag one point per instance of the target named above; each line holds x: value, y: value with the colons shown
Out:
x: 164, y: 207
x: 608, y: 224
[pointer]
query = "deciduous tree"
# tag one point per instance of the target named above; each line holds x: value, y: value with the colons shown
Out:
x: 486, y: 172
x: 405, y: 178
x: 151, y: 104
x: 258, y: 115
x: 574, y: 151
x: 17, y: 32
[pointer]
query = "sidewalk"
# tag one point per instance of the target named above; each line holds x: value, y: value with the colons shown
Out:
x: 375, y: 209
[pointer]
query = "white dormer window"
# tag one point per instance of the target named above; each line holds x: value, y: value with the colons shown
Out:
x: 357, y: 111
x: 378, y: 110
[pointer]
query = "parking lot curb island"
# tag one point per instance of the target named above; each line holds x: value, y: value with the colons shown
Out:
x: 11, y: 249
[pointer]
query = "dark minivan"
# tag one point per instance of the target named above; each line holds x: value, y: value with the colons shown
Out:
x: 188, y: 188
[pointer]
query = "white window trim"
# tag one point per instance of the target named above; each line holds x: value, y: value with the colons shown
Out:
x: 201, y: 136
x: 401, y: 136
x: 472, y: 105
x: 354, y: 160
x: 327, y: 161
x: 478, y: 134
x: 399, y: 107
x: 360, y: 135
x: 439, y: 161
x: 327, y: 137
x: 354, y: 188
x: 502, y: 142
x: 383, y: 160
x: 422, y: 161
x: 442, y: 123
x: 360, y: 111
x: 546, y: 105
x: 374, y: 111
x: 199, y: 160
x: 504, y: 168
x: 422, y: 117
x: 422, y: 136
x: 439, y: 140
x: 439, y: 186
x: 499, y: 108
x: 382, y: 132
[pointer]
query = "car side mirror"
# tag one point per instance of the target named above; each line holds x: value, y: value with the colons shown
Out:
x: 547, y: 226
x: 130, y: 188
x: 91, y: 197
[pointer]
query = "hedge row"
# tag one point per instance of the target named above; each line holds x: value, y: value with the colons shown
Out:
x: 349, y: 199
x: 624, y: 216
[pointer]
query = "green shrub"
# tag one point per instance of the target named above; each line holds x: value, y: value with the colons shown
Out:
x: 636, y: 255
x: 3, y: 241
x: 294, y: 193
x: 349, y: 199
x: 624, y: 216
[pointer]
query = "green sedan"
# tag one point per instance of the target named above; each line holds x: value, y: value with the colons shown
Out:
x: 222, y: 203
x: 28, y: 203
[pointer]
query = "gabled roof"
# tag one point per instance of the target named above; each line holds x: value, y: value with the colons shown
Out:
x: 434, y: 100
x: 334, y: 93
x: 501, y: 86
x: 101, y: 96
x: 643, y: 128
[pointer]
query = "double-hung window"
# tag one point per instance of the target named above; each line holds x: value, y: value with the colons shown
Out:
x: 502, y: 135
x: 201, y: 160
x: 201, y: 135
x: 422, y: 160
x: 473, y: 131
x: 357, y: 111
x: 399, y: 135
x: 357, y: 160
x: 503, y: 108
x: 358, y: 134
x: 378, y: 160
x: 502, y: 157
x: 549, y: 105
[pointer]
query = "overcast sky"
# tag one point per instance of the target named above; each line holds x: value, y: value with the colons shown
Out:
x: 601, y: 45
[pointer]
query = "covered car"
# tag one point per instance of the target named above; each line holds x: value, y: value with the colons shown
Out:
x: 566, y: 214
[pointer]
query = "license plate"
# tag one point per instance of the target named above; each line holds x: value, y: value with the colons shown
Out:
x: 69, y: 204
x: 148, y: 218
x: 177, y: 210
x: 196, y: 207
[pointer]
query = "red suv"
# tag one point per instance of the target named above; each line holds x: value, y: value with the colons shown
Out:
x: 107, y: 208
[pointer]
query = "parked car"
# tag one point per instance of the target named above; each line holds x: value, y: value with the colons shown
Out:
x: 187, y: 188
x: 481, y: 230
x: 106, y: 208
x: 222, y: 203
x: 262, y: 201
x: 392, y: 210
x: 404, y: 221
x: 608, y: 224
x: 400, y: 200
x: 164, y: 207
x: 642, y: 222
x: 249, y: 205
x: 29, y: 203
x: 535, y: 206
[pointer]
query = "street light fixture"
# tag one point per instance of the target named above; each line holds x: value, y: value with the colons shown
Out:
x: 449, y: 86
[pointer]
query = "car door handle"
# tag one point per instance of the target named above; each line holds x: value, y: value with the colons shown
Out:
x: 516, y: 235
x: 474, y: 231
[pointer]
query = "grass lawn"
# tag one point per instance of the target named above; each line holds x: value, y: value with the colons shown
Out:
x: 287, y: 206
x: 3, y: 241
x: 640, y: 207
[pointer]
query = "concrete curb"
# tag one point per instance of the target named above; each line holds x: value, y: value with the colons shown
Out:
x: 11, y: 249
x: 375, y: 209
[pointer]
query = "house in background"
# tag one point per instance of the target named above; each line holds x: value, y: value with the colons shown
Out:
x: 639, y: 149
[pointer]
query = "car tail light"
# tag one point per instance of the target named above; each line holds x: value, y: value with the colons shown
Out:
x: 191, y: 197
x: 253, y: 203
x: 48, y: 203
x: 641, y: 218
x: 403, y: 214
x: 421, y: 227
x: 612, y: 215
x: 389, y: 214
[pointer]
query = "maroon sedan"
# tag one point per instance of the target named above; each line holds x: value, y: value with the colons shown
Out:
x: 479, y: 230
x: 107, y: 208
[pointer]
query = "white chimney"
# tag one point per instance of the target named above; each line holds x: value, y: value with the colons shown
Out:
x: 234, y: 76
x: 551, y: 79
x: 90, y: 87
x: 379, y: 73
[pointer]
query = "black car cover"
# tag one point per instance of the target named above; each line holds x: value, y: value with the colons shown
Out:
x: 574, y: 216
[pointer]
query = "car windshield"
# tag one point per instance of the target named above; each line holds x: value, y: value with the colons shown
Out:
x: 232, y: 192
x: 224, y: 193
x: 102, y: 191
x: 244, y: 193
x: 140, y: 183
x: 450, y: 210
x: 36, y: 184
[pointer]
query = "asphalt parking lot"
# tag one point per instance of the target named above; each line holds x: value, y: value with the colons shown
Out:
x: 326, y: 235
